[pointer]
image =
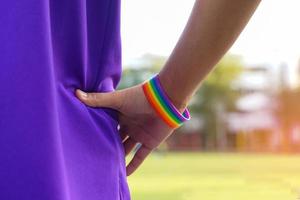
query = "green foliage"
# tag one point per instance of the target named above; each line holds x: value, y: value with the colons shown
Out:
x: 143, y: 69
x: 216, y: 97
x: 217, y: 86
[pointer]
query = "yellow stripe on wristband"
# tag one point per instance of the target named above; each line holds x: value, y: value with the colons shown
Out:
x: 154, y: 101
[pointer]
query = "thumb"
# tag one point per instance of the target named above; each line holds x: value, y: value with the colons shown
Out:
x: 105, y: 99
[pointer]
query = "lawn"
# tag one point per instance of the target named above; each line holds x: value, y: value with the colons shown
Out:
x: 207, y: 176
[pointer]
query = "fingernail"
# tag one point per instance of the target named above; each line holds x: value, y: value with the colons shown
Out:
x: 81, y: 93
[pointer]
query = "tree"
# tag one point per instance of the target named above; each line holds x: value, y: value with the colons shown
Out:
x: 142, y: 69
x: 215, y: 98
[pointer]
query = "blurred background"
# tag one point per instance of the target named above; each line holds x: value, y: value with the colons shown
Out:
x: 243, y: 140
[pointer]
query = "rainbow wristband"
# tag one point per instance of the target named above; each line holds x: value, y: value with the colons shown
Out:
x: 162, y: 103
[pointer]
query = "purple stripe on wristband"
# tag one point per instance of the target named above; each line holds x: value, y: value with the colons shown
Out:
x: 183, y: 117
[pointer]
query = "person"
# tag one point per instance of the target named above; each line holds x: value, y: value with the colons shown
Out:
x: 211, y: 29
x: 55, y: 145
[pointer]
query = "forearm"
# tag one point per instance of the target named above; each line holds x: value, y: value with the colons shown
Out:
x: 211, y: 30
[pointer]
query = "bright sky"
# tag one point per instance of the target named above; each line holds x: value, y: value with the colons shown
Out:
x: 154, y: 26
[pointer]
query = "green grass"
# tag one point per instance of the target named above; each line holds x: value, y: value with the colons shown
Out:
x: 193, y: 176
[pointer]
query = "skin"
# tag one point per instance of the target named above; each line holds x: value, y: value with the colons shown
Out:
x: 212, y: 28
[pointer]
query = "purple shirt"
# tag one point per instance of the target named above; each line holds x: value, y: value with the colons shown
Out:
x: 52, y: 146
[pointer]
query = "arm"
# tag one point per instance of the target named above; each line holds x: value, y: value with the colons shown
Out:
x: 211, y: 29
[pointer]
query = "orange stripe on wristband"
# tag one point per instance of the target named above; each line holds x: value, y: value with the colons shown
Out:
x: 157, y: 107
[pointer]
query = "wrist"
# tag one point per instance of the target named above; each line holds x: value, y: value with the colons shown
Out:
x: 174, y: 94
x: 162, y: 104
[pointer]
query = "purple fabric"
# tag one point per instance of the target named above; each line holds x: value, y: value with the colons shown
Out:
x: 52, y: 146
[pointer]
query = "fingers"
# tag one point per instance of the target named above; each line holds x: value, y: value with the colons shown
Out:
x: 137, y: 159
x: 123, y: 136
x: 106, y: 99
x: 129, y: 144
x: 144, y: 138
x: 123, y: 131
x: 139, y: 135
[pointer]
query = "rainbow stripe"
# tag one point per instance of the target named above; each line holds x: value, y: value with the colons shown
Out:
x: 162, y: 104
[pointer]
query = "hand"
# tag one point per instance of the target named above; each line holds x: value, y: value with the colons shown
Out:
x: 138, y: 121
